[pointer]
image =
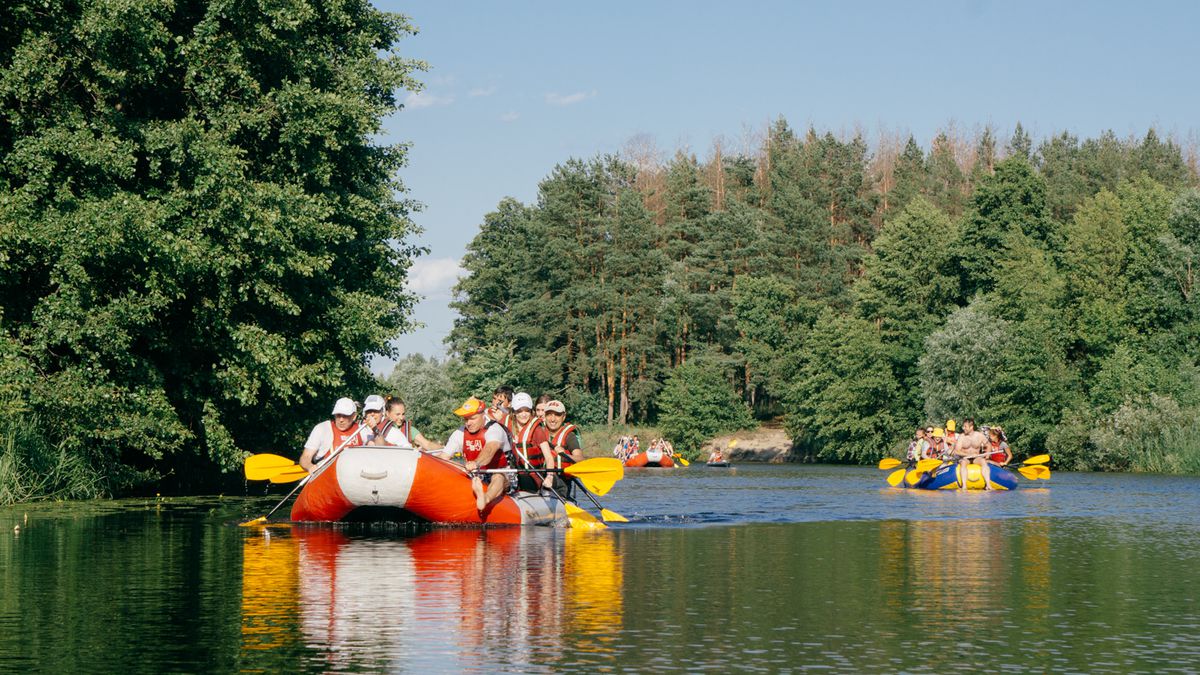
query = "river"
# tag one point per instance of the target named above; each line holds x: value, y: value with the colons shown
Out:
x: 754, y: 568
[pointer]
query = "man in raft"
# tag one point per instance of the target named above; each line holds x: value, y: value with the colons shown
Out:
x: 564, y: 439
x: 969, y: 449
x: 484, y: 445
x: 333, y: 435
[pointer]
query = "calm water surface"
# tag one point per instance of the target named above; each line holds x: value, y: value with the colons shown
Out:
x: 755, y: 568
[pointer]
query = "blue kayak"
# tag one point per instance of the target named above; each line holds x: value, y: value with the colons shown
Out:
x: 946, y: 477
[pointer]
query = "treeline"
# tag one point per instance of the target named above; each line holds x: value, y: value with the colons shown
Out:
x: 198, y: 233
x: 860, y: 291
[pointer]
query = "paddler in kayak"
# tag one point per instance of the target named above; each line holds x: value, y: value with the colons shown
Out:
x: 330, y: 435
x: 564, y: 439
x: 969, y: 449
x: 483, y: 444
x: 531, y: 443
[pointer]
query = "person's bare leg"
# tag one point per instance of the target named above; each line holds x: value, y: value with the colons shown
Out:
x: 986, y: 467
x: 495, y: 490
x: 963, y: 473
x: 478, y: 491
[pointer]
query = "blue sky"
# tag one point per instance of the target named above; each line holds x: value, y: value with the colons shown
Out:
x: 515, y: 88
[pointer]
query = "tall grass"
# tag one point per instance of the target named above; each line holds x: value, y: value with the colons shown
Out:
x: 32, y: 468
x: 1155, y: 436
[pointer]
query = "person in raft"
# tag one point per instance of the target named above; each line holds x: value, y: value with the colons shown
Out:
x: 951, y: 436
x: 333, y: 435
x: 969, y: 449
x: 484, y: 445
x: 919, y: 447
x: 1000, y: 452
x: 564, y: 440
x: 540, y: 408
x: 531, y: 443
x: 398, y: 431
x: 373, y: 418
x: 502, y: 407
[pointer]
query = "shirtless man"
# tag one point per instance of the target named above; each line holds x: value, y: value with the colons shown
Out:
x: 969, y: 449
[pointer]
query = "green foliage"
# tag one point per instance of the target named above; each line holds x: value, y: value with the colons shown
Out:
x: 960, y: 361
x: 200, y: 239
x: 698, y: 402
x: 844, y: 398
x: 425, y: 385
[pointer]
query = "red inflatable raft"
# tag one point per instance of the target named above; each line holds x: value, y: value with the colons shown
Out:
x: 654, y: 457
x: 407, y: 485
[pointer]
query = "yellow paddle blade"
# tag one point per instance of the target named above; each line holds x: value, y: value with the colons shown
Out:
x: 1029, y: 472
x: 262, y: 467
x: 896, y: 477
x: 889, y: 463
x: 596, y: 486
x: 612, y: 516
x: 1037, y: 459
x: 682, y: 460
x: 913, y: 477
x: 289, y: 475
x: 1043, y: 472
x: 581, y: 518
x: 928, y: 465
x: 257, y: 521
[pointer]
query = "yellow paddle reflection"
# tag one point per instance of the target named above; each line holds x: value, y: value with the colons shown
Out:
x: 449, y: 599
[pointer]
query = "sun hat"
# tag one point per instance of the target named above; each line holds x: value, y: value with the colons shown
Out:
x: 345, y: 406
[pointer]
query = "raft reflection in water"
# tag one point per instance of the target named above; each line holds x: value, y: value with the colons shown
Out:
x: 454, y: 599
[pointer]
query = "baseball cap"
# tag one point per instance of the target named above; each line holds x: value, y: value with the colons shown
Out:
x: 373, y: 402
x: 522, y: 400
x: 345, y: 406
x: 471, y: 406
x: 556, y: 406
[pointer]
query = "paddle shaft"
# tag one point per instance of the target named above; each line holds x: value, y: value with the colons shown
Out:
x: 328, y: 461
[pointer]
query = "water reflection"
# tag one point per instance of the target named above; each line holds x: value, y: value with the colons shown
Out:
x: 451, y: 599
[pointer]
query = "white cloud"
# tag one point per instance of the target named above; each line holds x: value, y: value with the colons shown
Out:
x: 569, y: 99
x: 509, y: 116
x: 424, y: 99
x: 482, y: 91
x: 434, y: 276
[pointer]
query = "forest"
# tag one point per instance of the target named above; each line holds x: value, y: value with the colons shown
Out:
x: 857, y: 290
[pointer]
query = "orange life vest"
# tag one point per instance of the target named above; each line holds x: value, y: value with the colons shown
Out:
x: 339, y: 439
x: 528, y: 443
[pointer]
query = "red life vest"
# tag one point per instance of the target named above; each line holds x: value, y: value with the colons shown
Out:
x: 559, y: 438
x: 339, y: 439
x: 473, y: 445
x: 999, y: 456
x: 528, y: 443
x: 386, y: 425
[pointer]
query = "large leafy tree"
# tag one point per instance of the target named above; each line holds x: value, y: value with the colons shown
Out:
x: 200, y: 238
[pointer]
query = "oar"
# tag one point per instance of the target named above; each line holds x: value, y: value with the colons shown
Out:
x: 266, y: 465
x: 682, y: 459
x: 889, y: 463
x: 1037, y: 459
x: 923, y: 466
x: 896, y: 477
x: 608, y: 516
x: 328, y: 462
x: 288, y: 475
x: 576, y: 516
x: 598, y: 474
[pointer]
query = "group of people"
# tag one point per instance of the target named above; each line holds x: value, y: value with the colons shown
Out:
x: 626, y: 447
x: 511, y: 432
x: 986, y: 446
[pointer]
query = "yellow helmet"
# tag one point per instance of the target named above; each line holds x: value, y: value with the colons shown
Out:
x: 949, y: 425
x: 938, y: 433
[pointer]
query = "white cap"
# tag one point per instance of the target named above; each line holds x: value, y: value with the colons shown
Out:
x: 345, y: 406
x: 373, y: 402
x: 522, y: 400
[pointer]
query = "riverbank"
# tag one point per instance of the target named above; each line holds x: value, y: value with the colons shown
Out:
x: 768, y: 443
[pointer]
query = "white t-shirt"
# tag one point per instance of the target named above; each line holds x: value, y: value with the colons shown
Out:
x: 321, y: 439
x: 397, y: 437
x: 494, y: 432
